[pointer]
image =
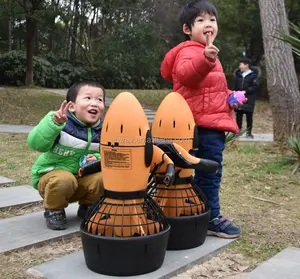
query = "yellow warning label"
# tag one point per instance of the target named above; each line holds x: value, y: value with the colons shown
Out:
x: 117, y: 159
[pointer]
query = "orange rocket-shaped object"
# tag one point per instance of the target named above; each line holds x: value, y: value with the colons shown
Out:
x: 127, y: 154
x: 173, y: 131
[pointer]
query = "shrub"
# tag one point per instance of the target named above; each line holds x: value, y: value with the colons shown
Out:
x: 54, y: 74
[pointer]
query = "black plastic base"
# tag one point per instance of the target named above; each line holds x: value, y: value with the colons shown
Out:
x: 124, y: 256
x: 188, y: 231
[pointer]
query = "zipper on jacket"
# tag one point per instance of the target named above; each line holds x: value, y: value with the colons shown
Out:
x: 89, y: 140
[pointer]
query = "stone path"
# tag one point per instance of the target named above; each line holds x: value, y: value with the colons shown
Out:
x: 257, y: 138
x: 20, y: 129
x: 20, y: 195
x: 30, y: 229
x: 174, y: 263
x: 4, y: 180
x: 150, y: 115
x: 285, y: 265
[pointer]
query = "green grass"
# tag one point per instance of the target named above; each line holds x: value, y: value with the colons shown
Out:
x: 254, y: 250
x: 262, y: 196
x: 16, y: 158
x: 26, y: 106
x: 274, y: 167
x: 248, y: 149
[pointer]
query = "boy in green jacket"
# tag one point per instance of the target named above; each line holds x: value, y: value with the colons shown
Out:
x: 67, y: 137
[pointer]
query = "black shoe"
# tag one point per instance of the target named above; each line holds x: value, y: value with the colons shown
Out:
x: 82, y: 210
x: 249, y: 135
x: 56, y: 219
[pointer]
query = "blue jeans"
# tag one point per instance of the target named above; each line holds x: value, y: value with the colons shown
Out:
x: 211, y: 146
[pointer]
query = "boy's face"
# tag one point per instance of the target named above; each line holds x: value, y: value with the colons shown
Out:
x: 89, y: 105
x: 244, y: 67
x: 203, y: 24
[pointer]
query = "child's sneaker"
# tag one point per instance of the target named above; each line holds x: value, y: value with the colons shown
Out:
x: 221, y: 227
x: 56, y: 219
x: 82, y: 210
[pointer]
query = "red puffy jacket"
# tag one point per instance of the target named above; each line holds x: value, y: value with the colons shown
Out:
x: 202, y: 83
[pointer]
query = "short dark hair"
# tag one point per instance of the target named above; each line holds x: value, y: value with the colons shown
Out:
x: 245, y: 60
x: 190, y: 11
x: 74, y: 89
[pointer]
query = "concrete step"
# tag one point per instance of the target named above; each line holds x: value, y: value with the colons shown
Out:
x: 18, y: 195
x: 284, y: 265
x: 4, y: 180
x: 30, y: 229
x: 175, y: 262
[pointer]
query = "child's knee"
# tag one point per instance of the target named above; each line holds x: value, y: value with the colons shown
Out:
x: 94, y: 184
x: 58, y: 181
x: 97, y: 184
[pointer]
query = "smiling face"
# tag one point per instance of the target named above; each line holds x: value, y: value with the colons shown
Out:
x: 203, y: 25
x: 89, y: 104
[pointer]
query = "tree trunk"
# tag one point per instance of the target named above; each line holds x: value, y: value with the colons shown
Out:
x: 30, y: 28
x: 20, y: 34
x: 52, y: 27
x: 9, y: 33
x: 282, y: 80
x: 74, y: 31
x: 36, y: 41
x: 69, y: 24
x: 10, y: 25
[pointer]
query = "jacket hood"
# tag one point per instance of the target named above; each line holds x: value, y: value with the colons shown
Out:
x: 170, y: 58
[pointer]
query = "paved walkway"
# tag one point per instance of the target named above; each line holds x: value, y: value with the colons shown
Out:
x: 26, y: 129
x: 149, y: 113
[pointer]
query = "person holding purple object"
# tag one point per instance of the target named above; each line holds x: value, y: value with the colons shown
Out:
x: 197, y: 74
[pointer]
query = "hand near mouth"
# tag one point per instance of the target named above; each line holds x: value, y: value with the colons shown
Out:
x: 210, y: 51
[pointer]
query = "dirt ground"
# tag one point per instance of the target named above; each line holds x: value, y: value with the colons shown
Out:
x: 227, y: 265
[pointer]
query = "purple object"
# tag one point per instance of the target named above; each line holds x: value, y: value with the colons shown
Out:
x: 236, y: 97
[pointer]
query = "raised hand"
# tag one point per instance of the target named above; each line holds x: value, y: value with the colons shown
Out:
x: 210, y: 51
x: 60, y: 116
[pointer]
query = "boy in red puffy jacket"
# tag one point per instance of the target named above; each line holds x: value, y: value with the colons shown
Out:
x: 197, y: 74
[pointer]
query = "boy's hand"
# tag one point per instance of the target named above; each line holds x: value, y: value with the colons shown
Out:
x: 210, y: 51
x: 90, y: 158
x: 60, y: 116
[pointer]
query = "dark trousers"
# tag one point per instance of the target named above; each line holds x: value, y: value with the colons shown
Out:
x: 211, y: 146
x: 249, y: 119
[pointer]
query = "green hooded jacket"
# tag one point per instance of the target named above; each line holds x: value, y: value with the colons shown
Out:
x: 63, y: 146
